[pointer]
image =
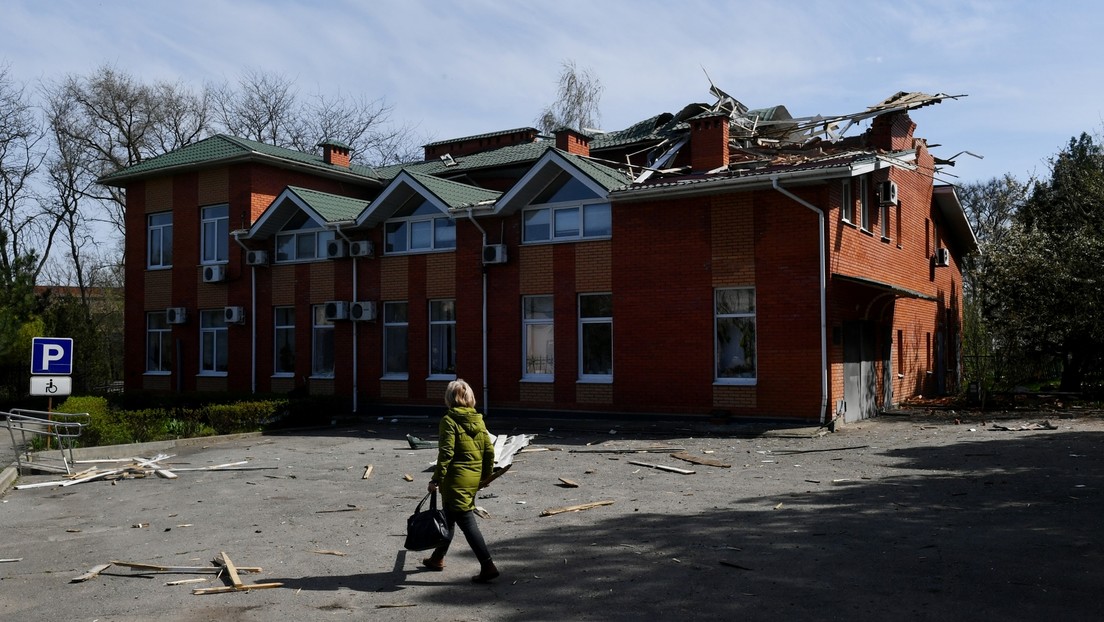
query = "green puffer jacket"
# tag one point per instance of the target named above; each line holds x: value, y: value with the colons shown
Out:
x: 465, y: 457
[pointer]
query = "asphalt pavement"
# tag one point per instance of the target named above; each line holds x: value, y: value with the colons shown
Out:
x: 902, y: 518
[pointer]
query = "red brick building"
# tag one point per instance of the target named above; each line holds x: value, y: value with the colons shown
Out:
x: 719, y: 262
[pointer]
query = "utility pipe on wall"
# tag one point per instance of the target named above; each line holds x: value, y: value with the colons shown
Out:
x: 252, y: 318
x: 337, y: 229
x: 483, y: 233
x: 823, y: 297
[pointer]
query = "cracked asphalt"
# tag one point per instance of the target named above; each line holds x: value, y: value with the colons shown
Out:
x: 900, y: 517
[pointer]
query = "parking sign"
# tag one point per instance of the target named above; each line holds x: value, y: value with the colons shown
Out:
x: 52, y: 356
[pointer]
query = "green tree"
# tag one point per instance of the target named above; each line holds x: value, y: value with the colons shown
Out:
x: 1043, y: 277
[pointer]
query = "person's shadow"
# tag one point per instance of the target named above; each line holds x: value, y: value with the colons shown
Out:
x: 394, y: 580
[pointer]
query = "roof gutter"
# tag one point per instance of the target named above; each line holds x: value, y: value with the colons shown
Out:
x: 823, y: 296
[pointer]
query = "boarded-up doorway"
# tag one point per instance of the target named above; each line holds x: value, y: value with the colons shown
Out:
x: 860, y: 381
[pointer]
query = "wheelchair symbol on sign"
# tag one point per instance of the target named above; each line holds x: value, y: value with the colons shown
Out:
x: 51, y: 387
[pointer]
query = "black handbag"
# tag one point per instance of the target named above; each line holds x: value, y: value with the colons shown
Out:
x: 427, y: 529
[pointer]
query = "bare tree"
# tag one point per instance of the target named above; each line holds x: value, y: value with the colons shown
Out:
x: 267, y: 107
x: 21, y: 155
x: 577, y: 100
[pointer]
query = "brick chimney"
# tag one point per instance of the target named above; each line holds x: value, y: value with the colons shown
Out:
x: 892, y: 132
x: 571, y: 141
x: 709, y: 142
x: 335, y: 152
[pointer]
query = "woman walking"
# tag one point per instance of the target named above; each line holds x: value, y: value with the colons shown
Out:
x: 465, y: 459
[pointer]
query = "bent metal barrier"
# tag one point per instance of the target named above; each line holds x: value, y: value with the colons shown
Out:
x: 36, y: 435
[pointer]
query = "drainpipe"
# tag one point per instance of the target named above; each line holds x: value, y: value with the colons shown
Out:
x: 823, y: 298
x: 252, y: 318
x: 356, y: 350
x: 483, y: 233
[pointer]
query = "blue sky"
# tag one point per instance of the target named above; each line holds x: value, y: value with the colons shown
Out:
x: 1031, y: 70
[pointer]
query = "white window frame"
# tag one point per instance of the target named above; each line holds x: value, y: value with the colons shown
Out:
x: 884, y: 217
x: 847, y: 201
x: 555, y: 210
x: 591, y: 321
x: 396, y: 332
x: 532, y: 325
x: 158, y: 344
x: 438, y: 226
x: 286, y: 329
x: 214, y: 234
x: 741, y: 314
x: 322, y: 339
x: 162, y: 232
x: 864, y: 202
x: 315, y: 238
x: 442, y: 328
x: 213, y: 336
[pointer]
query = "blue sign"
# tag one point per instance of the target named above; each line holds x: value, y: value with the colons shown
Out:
x: 52, y: 355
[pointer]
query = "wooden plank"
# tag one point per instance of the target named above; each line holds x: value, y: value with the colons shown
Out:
x: 575, y: 508
x: 95, y: 570
x: 11, y: 559
x: 231, y: 570
x: 185, y: 581
x: 367, y: 472
x: 637, y: 450
x: 663, y: 468
x: 699, y: 460
x: 329, y: 552
x: 569, y: 483
x: 183, y: 569
x: 243, y: 588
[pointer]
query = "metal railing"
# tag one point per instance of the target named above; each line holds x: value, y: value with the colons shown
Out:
x: 37, y: 434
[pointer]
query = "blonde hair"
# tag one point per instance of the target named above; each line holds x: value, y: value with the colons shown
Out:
x: 458, y: 394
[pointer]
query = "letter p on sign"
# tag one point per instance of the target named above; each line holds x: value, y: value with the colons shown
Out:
x: 52, y: 355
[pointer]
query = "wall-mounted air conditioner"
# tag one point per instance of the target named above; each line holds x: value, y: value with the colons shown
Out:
x: 362, y: 311
x: 942, y: 257
x: 214, y: 274
x: 335, y: 249
x: 361, y: 248
x: 234, y: 315
x: 176, y: 315
x: 887, y: 192
x: 337, y: 310
x: 494, y: 253
x: 256, y: 258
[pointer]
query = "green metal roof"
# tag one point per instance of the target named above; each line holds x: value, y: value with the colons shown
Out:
x: 514, y: 154
x: 454, y: 194
x: 221, y: 148
x: 607, y: 176
x: 332, y: 207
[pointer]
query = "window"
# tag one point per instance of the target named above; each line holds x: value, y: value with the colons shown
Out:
x: 159, y: 350
x: 395, y: 330
x: 864, y: 202
x: 847, y: 203
x: 283, y: 344
x: 215, y: 234
x: 537, y: 338
x: 734, y: 315
x: 596, y: 337
x: 212, y: 341
x: 322, y: 343
x: 159, y: 240
x: 566, y: 210
x: 442, y: 337
x: 302, y: 239
x: 419, y: 226
x: 884, y: 218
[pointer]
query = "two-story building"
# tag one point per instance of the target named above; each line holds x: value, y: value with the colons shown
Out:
x: 718, y: 261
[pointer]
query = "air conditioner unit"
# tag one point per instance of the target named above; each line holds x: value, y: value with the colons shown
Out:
x: 494, y: 253
x: 176, y: 315
x: 337, y: 310
x: 942, y: 257
x: 256, y: 258
x: 335, y: 249
x: 234, y: 315
x: 214, y: 274
x: 361, y: 248
x: 362, y: 311
x: 887, y: 192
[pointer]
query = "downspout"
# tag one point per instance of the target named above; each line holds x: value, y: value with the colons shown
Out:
x: 356, y: 350
x: 252, y: 318
x: 823, y: 298
x: 483, y: 233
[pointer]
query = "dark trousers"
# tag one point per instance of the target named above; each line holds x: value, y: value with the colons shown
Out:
x: 466, y: 522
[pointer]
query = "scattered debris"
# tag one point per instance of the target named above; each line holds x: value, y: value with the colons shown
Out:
x: 566, y: 483
x: 11, y: 559
x: 682, y: 455
x: 575, y: 508
x: 349, y: 508
x: 481, y: 513
x: 134, y: 468
x: 236, y: 584
x: 392, y: 606
x: 662, y: 467
x: 367, y: 472
x: 417, y: 443
x: 327, y: 552
x: 1046, y: 425
x: 813, y: 451
x: 216, y: 569
x: 732, y: 565
x: 186, y: 581
x: 495, y: 474
x: 408, y: 477
x: 628, y: 450
x: 91, y: 574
